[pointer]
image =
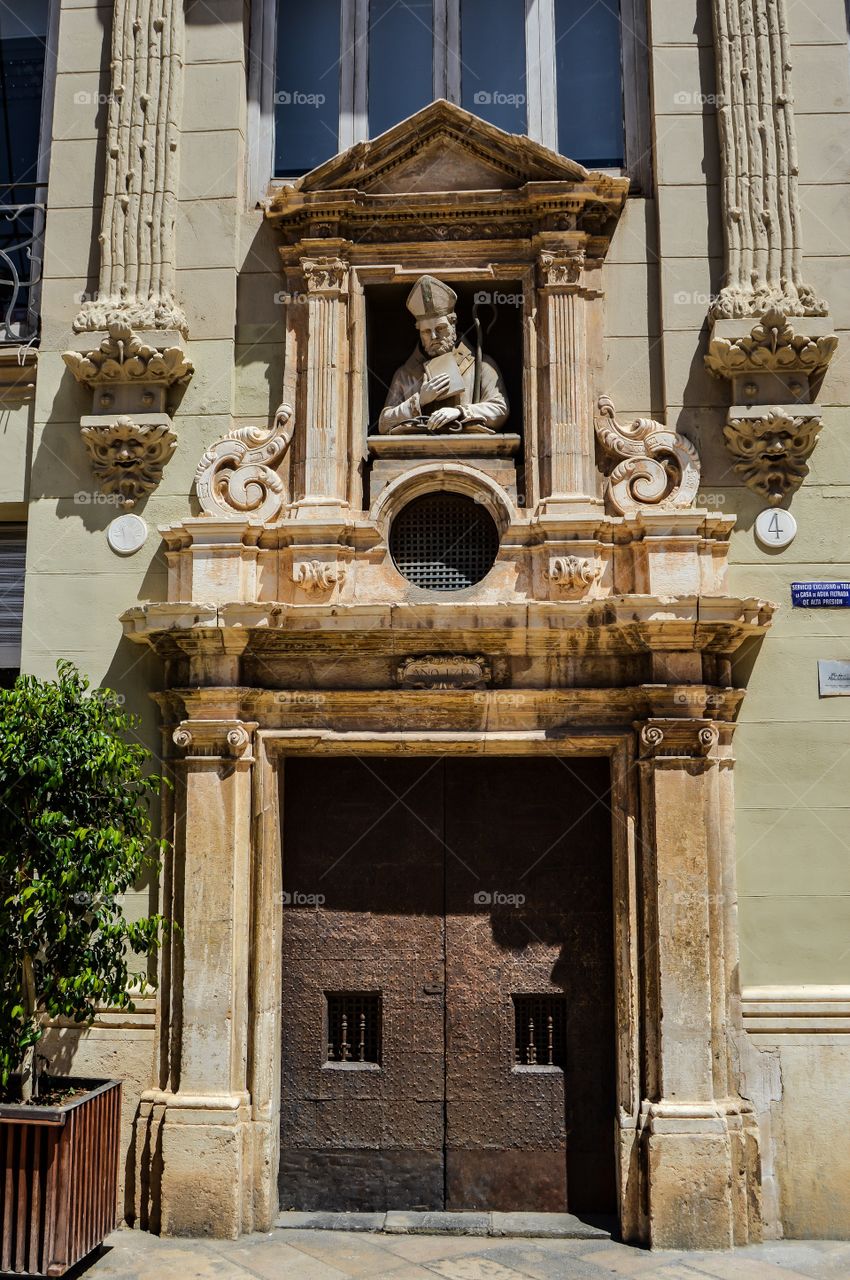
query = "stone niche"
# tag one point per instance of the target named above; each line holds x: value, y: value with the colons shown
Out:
x: 603, y: 625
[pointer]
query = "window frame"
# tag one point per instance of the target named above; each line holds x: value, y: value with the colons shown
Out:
x: 541, y: 81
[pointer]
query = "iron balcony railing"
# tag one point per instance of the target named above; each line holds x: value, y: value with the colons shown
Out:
x: 22, y: 223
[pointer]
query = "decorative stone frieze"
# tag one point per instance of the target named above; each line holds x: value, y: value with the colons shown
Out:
x: 572, y: 575
x: 444, y: 671
x: 128, y: 456
x: 138, y: 224
x: 772, y: 446
x: 759, y: 174
x: 658, y: 469
x: 777, y: 344
x: 237, y: 476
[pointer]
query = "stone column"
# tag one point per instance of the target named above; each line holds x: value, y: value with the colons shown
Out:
x: 569, y: 479
x: 695, y: 1186
x: 138, y: 228
x: 206, y: 1167
x: 321, y: 452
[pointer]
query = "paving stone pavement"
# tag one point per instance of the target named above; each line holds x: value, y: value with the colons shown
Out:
x: 335, y: 1255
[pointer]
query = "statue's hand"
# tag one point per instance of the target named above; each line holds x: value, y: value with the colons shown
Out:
x: 434, y: 389
x: 442, y: 418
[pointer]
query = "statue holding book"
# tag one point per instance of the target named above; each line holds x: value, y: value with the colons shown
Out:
x: 443, y: 387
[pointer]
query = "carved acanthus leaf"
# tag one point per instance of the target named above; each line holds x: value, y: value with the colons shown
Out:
x: 318, y: 575
x: 773, y: 449
x: 774, y: 345
x: 237, y: 477
x: 573, y: 575
x: 325, y: 275
x: 127, y: 457
x: 659, y: 467
x: 123, y: 357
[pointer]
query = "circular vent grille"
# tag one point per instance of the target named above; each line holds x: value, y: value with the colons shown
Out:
x: 444, y: 542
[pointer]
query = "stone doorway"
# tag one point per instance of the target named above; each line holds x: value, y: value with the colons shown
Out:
x: 448, y: 1034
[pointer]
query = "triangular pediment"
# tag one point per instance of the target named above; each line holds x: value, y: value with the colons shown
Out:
x: 441, y: 148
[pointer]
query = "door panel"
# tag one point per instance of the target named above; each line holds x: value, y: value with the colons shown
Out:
x: 529, y: 837
x: 422, y: 864
x: 367, y: 837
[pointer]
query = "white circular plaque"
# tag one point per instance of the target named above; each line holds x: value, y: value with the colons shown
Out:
x: 775, y: 528
x: 126, y: 534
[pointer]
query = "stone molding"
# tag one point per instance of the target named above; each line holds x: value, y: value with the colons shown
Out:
x: 677, y: 739
x: 127, y: 455
x: 138, y: 224
x: 759, y: 168
x: 796, y: 1010
x: 444, y: 671
x: 215, y: 739
x: 772, y: 446
x: 659, y: 467
x: 237, y: 476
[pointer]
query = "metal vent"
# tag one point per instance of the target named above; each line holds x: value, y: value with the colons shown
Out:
x: 354, y: 1026
x: 444, y: 542
x: 540, y: 1031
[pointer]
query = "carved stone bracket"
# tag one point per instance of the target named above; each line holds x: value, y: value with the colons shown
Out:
x: 124, y: 357
x: 677, y: 738
x: 660, y: 469
x: 215, y: 739
x: 572, y: 575
x: 772, y: 446
x: 444, y: 671
x: 128, y: 455
x: 237, y: 475
x: 774, y: 365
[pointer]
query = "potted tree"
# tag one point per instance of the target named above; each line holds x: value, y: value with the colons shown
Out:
x: 75, y: 834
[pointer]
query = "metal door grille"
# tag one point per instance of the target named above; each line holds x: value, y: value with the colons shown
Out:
x: 540, y: 1029
x: 354, y: 1026
x: 444, y: 542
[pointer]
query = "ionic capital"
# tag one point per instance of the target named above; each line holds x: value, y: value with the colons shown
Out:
x: 677, y: 739
x: 215, y: 739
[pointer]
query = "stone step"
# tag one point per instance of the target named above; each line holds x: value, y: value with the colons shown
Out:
x: 561, y: 1226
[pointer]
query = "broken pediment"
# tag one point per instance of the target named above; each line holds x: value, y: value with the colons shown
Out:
x: 448, y: 172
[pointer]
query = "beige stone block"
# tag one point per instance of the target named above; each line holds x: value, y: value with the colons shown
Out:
x: 689, y: 1191
x: 211, y: 388
x: 830, y: 278
x: 261, y: 304
x: 206, y: 234
x: 15, y: 437
x: 686, y: 151
x: 825, y: 211
x: 71, y: 246
x: 84, y: 40
x: 817, y: 22
x: 687, y: 379
x: 631, y: 299
x: 60, y: 302
x: 687, y: 290
x: 211, y: 165
x: 81, y: 103
x: 220, y: 37
x: 829, y: 465
x: 686, y: 22
x: 683, y: 81
x: 762, y: 750
x: 797, y: 939
x: 209, y: 299
x: 213, y: 97
x: 76, y: 173
x: 689, y: 222
x: 821, y: 150
x: 814, y: 1127
x: 634, y: 238
x: 59, y: 398
x: 627, y: 374
x: 259, y: 379
x: 821, y: 78
x: 259, y: 244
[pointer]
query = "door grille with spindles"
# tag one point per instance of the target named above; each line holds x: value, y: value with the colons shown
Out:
x: 540, y: 1025
x: 354, y: 1027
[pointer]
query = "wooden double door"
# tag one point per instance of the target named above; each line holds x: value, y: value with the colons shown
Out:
x: 448, y: 988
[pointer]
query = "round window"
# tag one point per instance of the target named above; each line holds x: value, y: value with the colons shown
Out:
x: 444, y: 541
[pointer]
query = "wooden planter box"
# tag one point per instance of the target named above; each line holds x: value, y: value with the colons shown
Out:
x: 58, y: 1179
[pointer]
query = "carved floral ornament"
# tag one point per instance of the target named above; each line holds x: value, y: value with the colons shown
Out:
x: 658, y: 468
x: 237, y: 475
x: 128, y: 457
x: 315, y: 576
x: 124, y: 357
x: 573, y: 575
x: 775, y: 344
